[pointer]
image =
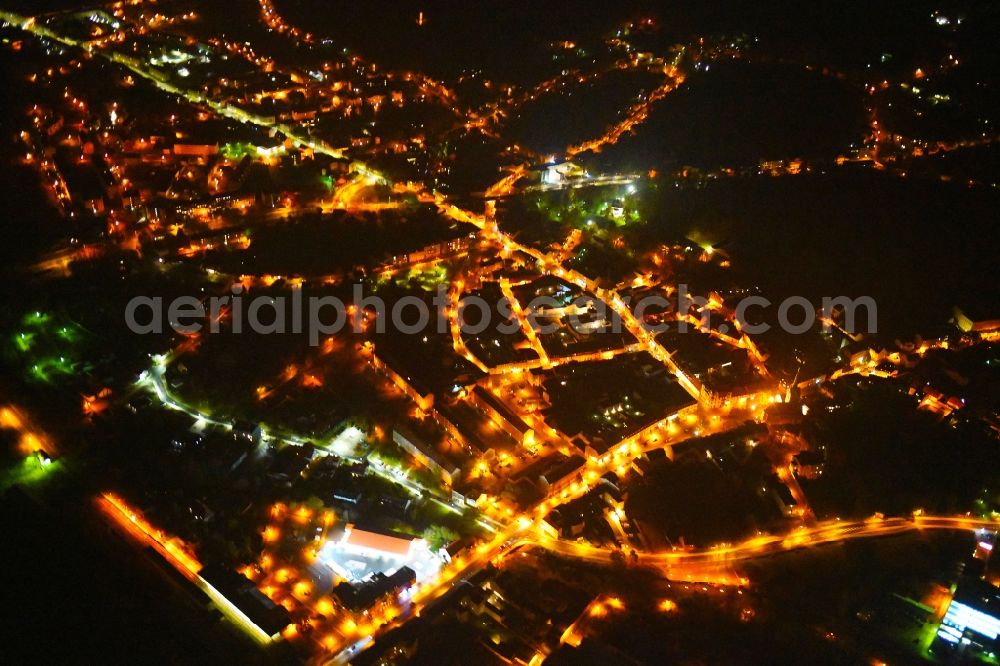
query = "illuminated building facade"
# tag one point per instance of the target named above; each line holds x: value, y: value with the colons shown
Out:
x: 972, y: 622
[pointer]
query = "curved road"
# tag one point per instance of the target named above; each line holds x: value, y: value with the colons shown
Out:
x: 833, y: 531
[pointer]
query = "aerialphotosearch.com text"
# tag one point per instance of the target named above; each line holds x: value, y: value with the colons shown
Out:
x: 319, y: 316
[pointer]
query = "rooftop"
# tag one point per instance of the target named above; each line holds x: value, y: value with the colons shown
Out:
x: 385, y: 543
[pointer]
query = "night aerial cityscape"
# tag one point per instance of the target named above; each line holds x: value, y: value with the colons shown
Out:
x: 500, y: 332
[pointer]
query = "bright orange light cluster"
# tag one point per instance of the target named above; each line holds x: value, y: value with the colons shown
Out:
x: 30, y: 441
x: 173, y: 549
x: 667, y: 606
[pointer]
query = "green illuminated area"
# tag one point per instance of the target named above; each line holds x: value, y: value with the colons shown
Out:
x: 593, y: 209
x: 238, y: 150
x: 29, y: 471
x: 49, y: 346
x: 427, y: 279
x: 599, y: 229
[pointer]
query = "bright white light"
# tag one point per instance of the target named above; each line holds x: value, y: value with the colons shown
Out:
x: 949, y: 634
x: 346, y: 443
x: 965, y: 617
